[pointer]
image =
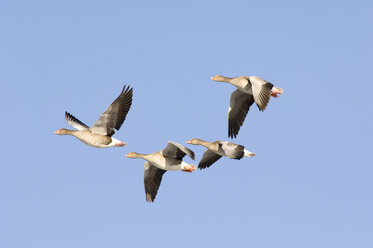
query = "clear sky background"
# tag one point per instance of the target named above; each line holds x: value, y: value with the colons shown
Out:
x: 310, y: 184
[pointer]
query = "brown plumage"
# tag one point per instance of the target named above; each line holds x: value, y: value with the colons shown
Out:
x: 250, y: 89
x: 100, y: 134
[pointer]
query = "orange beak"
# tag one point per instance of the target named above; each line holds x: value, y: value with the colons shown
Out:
x: 188, y: 142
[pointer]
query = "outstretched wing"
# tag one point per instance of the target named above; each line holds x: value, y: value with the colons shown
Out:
x: 208, y: 159
x: 152, y: 180
x: 239, y: 106
x: 115, y: 114
x: 232, y: 150
x: 74, y: 122
x: 261, y: 91
x: 175, y: 150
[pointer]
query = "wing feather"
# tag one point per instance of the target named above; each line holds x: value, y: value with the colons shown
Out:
x: 115, y: 114
x: 152, y: 180
x: 240, y: 104
x: 208, y: 158
x: 175, y: 150
x: 261, y: 91
x: 74, y: 122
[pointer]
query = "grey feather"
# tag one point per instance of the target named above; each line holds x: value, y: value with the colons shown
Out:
x: 74, y: 122
x: 231, y: 150
x: 175, y: 150
x: 208, y: 158
x: 261, y: 91
x: 240, y: 104
x: 115, y: 114
x: 152, y: 180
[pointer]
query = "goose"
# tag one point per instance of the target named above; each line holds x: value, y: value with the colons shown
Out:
x: 250, y: 89
x: 100, y: 134
x: 158, y: 163
x: 218, y: 149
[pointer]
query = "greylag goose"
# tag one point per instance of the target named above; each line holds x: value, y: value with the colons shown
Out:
x: 218, y: 149
x: 159, y: 162
x: 250, y: 89
x: 99, y: 135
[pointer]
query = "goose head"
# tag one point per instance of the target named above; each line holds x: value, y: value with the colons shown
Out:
x: 62, y: 131
x: 219, y: 78
x: 194, y: 141
x: 133, y: 155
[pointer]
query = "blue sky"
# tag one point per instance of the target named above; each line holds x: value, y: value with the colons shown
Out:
x: 310, y: 184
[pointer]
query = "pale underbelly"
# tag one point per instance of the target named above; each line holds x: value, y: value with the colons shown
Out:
x: 94, y: 144
x: 163, y: 166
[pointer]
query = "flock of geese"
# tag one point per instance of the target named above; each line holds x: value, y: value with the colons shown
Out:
x: 250, y: 89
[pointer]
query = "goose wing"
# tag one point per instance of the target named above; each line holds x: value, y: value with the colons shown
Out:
x: 232, y: 150
x: 74, y: 122
x: 175, y: 150
x: 261, y: 91
x: 152, y: 180
x: 115, y: 114
x: 240, y: 104
x: 208, y: 159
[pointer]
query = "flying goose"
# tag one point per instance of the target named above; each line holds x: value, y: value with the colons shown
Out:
x: 159, y: 162
x: 99, y: 135
x: 217, y: 149
x: 250, y: 89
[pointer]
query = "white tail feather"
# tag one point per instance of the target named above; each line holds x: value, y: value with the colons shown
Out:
x: 248, y: 153
x: 186, y: 166
x: 277, y: 90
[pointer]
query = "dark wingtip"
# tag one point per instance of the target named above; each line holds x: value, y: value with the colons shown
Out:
x: 67, y: 115
x: 193, y: 156
x: 127, y: 88
x: 232, y: 135
x: 204, y: 166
